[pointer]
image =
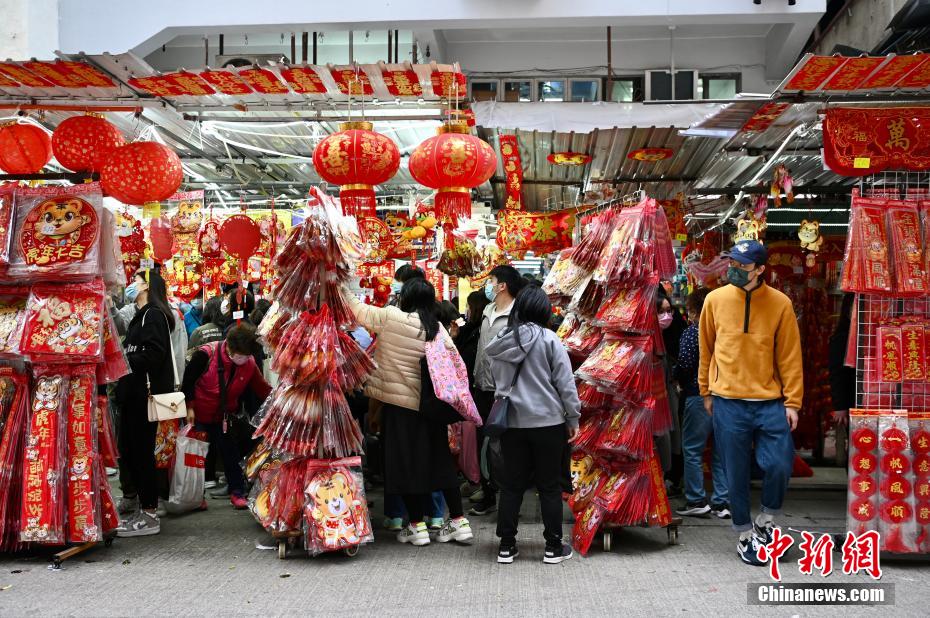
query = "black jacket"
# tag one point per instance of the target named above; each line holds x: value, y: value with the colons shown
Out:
x: 149, y: 353
x: 467, y: 344
x: 842, y: 378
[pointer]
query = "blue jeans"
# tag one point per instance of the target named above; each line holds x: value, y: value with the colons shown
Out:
x: 695, y: 430
x: 739, y: 424
x: 394, y: 506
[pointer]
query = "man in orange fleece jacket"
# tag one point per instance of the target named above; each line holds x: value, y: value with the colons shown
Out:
x: 751, y: 378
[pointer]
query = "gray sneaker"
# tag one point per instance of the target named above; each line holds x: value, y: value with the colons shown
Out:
x: 140, y: 524
x: 162, y: 509
x: 127, y: 506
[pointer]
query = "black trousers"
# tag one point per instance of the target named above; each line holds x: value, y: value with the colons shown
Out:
x: 137, y: 448
x: 532, y: 454
x: 483, y: 401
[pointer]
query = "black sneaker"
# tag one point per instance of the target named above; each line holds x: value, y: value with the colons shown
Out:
x: 484, y: 507
x: 694, y: 509
x: 507, y: 553
x: 763, y: 533
x: 721, y: 510
x: 555, y: 555
x: 748, y: 550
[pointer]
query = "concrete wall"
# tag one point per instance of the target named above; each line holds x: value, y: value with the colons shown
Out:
x: 28, y: 29
x: 862, y: 25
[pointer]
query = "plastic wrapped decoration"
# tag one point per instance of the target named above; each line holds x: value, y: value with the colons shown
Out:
x: 621, y: 365
x: 307, y: 351
x: 57, y: 233
x: 277, y: 504
x: 12, y: 320
x: 588, y: 252
x: 336, y: 509
x: 629, y: 432
x: 588, y: 476
x: 109, y: 517
x: 6, y: 225
x: 114, y: 365
x: 106, y: 436
x: 553, y: 284
x: 868, y: 266
x: 298, y: 270
x: 356, y: 366
x: 584, y: 339
x: 262, y: 458
x: 631, y: 309
x: 14, y: 404
x: 903, y: 222
x: 461, y: 257
x: 83, y: 507
x: 862, y: 503
x: 617, y: 256
x: 42, y: 517
x: 897, y: 525
x: 64, y: 323
x: 166, y: 441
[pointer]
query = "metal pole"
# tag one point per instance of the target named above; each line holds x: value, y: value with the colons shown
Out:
x: 206, y: 51
x: 293, y: 58
x: 304, y: 38
x: 351, y: 46
x: 390, y: 55
x: 221, y: 44
x: 314, y: 48
x: 396, y: 45
x: 610, y: 65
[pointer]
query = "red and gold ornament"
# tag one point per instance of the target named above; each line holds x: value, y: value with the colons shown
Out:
x: 896, y: 487
x: 893, y: 463
x: 863, y: 486
x: 24, y: 148
x: 862, y: 509
x: 83, y: 143
x: 896, y: 511
x: 356, y: 158
x: 864, y: 439
x: 864, y: 463
x: 894, y: 440
x: 141, y: 172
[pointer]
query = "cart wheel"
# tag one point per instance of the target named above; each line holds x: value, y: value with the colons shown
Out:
x: 351, y: 551
x: 56, y: 563
x: 608, y: 540
x: 282, y: 549
x: 672, y: 535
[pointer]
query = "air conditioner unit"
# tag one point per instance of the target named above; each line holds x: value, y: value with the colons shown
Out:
x: 245, y: 60
x: 659, y: 85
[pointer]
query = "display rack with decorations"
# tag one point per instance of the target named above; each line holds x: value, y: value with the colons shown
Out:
x: 307, y: 473
x: 57, y: 344
x: 889, y: 454
x: 608, y: 284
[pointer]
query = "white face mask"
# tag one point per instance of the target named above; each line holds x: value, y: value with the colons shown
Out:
x: 224, y: 306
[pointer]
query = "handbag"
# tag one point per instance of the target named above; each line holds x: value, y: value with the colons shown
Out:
x: 449, y: 378
x: 497, y: 419
x: 167, y: 406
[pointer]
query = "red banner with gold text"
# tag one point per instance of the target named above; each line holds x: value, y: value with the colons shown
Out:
x: 861, y: 141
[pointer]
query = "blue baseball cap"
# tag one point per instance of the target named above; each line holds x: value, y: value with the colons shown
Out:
x: 748, y: 252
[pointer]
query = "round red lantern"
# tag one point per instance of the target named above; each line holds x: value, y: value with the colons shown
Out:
x: 141, y: 172
x: 864, y: 439
x: 894, y: 439
x: 24, y: 148
x: 240, y: 236
x: 82, y: 143
x: 453, y: 162
x: 356, y: 158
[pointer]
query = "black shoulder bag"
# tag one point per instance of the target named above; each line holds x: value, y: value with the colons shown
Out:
x: 497, y: 419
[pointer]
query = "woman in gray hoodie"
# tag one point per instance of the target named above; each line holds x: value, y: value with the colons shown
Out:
x: 543, y: 414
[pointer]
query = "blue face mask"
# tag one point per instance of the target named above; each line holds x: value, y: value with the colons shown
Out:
x: 737, y: 276
x: 396, y: 287
x: 132, y: 292
x: 490, y: 291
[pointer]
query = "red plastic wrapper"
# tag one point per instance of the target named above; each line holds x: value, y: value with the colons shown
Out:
x: 903, y: 221
x: 621, y: 365
x: 106, y: 436
x: 588, y: 476
x: 115, y: 365
x: 631, y: 309
x: 262, y: 458
x: 590, y: 429
x: 278, y: 502
x: 584, y: 339
x: 868, y: 266
x: 593, y: 399
x: 336, y: 509
x: 308, y: 351
x: 629, y: 432
x: 109, y: 517
x: 597, y: 234
x: 298, y: 273
x: 166, y: 442
x: 587, y: 299
x: 57, y: 233
x: 897, y: 525
x: 83, y: 501
x: 43, y: 508
x: 6, y: 224
x: 356, y: 365
x: 12, y: 319
x: 862, y: 497
x: 14, y: 403
x: 587, y: 523
x: 64, y: 323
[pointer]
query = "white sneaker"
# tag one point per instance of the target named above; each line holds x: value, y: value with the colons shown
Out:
x: 417, y: 535
x: 209, y: 484
x: 456, y: 530
x: 140, y: 524
x: 127, y: 506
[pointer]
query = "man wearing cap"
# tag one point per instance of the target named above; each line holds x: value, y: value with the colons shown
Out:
x: 751, y: 378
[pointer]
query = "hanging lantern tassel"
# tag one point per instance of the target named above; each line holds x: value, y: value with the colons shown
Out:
x: 453, y: 203
x: 358, y: 200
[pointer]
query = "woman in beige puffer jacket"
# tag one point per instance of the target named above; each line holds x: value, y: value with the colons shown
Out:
x: 417, y: 460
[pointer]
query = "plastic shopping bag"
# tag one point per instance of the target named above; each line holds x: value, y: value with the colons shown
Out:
x: 187, y: 481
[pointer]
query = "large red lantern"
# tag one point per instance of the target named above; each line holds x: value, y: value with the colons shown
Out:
x: 453, y: 162
x: 356, y: 158
x: 83, y: 143
x: 24, y: 148
x: 141, y: 172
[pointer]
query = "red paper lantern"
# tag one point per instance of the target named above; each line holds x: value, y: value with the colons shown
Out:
x: 896, y: 487
x: 896, y: 511
x: 453, y: 162
x: 141, y: 172
x: 864, y: 439
x: 82, y: 143
x: 863, y: 486
x: 895, y: 463
x: 862, y: 509
x: 894, y: 440
x: 24, y: 148
x: 864, y: 463
x: 356, y: 158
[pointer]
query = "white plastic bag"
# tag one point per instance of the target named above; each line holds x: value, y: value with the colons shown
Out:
x: 189, y: 464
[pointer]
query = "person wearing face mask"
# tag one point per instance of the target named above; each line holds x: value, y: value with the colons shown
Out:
x: 668, y: 445
x: 751, y: 379
x: 503, y: 284
x: 216, y: 377
x: 193, y: 319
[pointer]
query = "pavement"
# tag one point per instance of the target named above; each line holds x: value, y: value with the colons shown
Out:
x: 206, y: 564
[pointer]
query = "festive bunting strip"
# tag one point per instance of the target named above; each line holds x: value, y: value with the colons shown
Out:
x: 764, y: 117
x: 303, y: 80
x: 83, y: 513
x: 402, y: 83
x: 513, y: 170
x: 352, y: 81
x: 263, y: 81
x: 448, y: 85
x: 225, y: 82
x: 540, y: 232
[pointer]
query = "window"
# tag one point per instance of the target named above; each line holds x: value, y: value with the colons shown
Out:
x: 719, y: 86
x: 584, y: 90
x: 626, y: 89
x: 518, y: 91
x: 550, y: 90
x: 370, y: 46
x: 659, y: 85
x: 484, y: 90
